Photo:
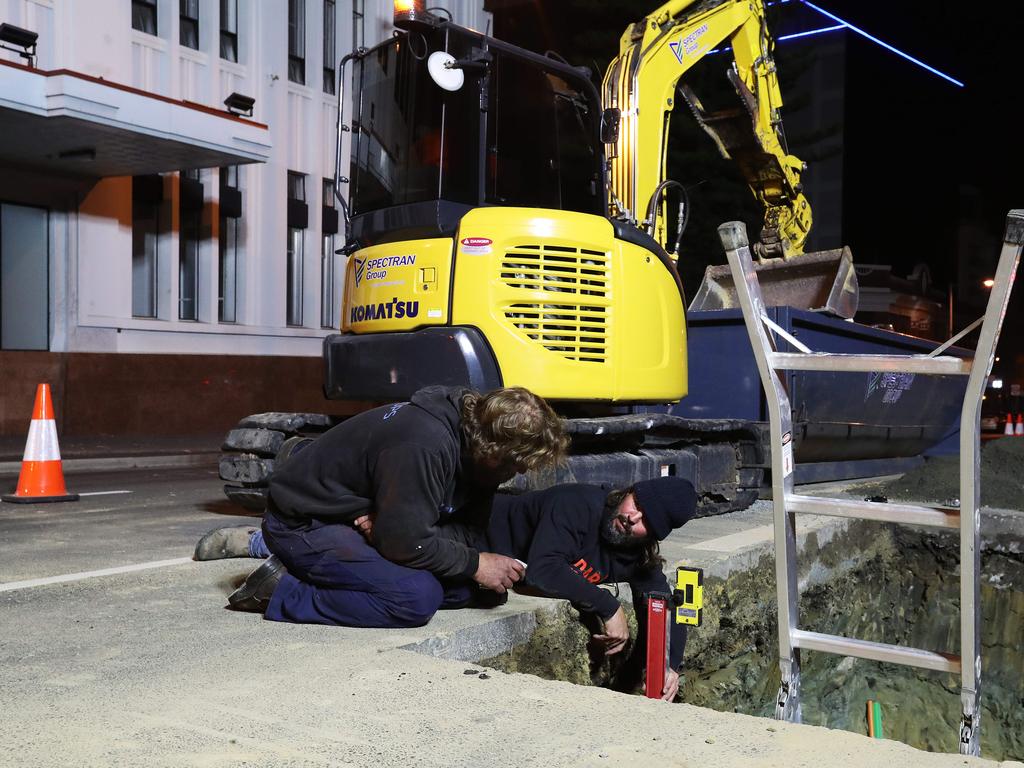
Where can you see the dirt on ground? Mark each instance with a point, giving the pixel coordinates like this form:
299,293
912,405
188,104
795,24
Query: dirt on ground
938,479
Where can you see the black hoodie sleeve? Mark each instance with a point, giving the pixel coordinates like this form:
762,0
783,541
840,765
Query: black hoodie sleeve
556,546
409,483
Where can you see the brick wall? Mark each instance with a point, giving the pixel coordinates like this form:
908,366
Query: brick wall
119,394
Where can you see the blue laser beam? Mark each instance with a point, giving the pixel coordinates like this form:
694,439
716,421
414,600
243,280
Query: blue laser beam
882,43
807,33
811,32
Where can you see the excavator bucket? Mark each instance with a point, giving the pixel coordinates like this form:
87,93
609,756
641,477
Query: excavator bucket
821,281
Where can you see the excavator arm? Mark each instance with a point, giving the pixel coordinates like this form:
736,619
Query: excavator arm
654,55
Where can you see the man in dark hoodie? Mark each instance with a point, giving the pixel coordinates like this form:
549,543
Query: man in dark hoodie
574,537
378,523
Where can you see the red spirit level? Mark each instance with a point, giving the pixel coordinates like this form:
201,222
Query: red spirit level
657,643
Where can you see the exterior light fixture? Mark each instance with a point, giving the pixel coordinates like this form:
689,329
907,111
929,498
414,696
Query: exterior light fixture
412,13
996,383
22,39
988,282
239,105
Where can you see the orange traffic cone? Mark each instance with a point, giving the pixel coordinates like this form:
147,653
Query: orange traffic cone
1008,429
42,478
1019,429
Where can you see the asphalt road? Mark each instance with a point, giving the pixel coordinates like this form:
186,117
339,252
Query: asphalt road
126,518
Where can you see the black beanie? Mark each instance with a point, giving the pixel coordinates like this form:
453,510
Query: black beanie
667,503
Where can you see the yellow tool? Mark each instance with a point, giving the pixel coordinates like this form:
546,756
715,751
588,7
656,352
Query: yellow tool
688,597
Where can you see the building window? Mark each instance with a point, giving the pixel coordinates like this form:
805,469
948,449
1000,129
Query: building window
329,47
147,201
188,31
230,226
297,222
144,16
358,17
190,221
297,41
229,30
328,259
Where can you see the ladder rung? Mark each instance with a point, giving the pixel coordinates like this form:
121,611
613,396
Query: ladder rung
904,514
863,649
828,361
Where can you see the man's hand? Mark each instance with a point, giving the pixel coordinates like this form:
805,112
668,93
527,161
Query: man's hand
616,633
498,572
364,525
668,693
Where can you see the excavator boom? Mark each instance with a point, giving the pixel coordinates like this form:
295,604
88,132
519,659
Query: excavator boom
654,56
645,82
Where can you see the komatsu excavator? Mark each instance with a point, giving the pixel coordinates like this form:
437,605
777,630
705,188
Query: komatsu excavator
507,226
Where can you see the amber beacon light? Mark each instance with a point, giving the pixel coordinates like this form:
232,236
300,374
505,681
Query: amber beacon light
409,12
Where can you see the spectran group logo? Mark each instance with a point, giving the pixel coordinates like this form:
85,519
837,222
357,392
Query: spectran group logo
360,268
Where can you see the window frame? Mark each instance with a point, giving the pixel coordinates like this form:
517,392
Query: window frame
297,41
190,239
294,284
187,23
229,32
227,251
295,255
330,47
151,214
328,266
151,10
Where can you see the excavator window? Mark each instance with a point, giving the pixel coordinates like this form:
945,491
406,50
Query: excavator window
522,130
542,148
410,138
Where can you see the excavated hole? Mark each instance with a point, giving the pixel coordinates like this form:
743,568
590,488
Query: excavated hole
900,587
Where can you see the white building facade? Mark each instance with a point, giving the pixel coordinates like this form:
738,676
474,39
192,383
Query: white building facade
137,217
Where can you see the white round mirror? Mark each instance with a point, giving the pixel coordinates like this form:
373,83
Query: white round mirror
438,65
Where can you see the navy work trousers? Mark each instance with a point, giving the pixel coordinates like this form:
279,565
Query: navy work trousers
335,577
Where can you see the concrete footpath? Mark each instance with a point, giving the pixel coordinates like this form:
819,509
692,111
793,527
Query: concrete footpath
117,650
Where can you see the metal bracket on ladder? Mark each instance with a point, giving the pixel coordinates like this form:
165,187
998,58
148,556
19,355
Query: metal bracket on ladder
771,365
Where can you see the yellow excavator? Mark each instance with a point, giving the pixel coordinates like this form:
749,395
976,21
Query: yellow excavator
507,225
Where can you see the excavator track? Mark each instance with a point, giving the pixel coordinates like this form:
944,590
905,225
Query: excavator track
725,458
259,443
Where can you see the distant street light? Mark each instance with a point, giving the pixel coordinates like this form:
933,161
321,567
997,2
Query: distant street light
988,282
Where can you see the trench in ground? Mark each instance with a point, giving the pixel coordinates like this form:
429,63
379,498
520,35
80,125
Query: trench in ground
883,583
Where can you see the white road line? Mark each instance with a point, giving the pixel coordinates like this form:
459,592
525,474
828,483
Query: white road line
13,585
101,493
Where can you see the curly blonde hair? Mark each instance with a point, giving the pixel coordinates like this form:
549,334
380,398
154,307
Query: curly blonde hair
513,426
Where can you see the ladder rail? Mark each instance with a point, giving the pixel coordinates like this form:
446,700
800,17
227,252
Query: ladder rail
772,364
970,487
748,291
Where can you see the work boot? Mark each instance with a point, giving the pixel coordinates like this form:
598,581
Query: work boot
258,587
225,542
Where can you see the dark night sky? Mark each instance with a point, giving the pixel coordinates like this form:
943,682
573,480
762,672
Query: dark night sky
917,140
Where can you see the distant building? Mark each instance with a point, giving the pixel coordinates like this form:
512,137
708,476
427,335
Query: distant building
908,305
165,265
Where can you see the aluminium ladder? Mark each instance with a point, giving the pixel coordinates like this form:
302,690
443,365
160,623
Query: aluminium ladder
772,365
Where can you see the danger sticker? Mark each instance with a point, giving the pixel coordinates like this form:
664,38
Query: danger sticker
476,245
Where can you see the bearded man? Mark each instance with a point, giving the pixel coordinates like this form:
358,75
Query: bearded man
574,537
